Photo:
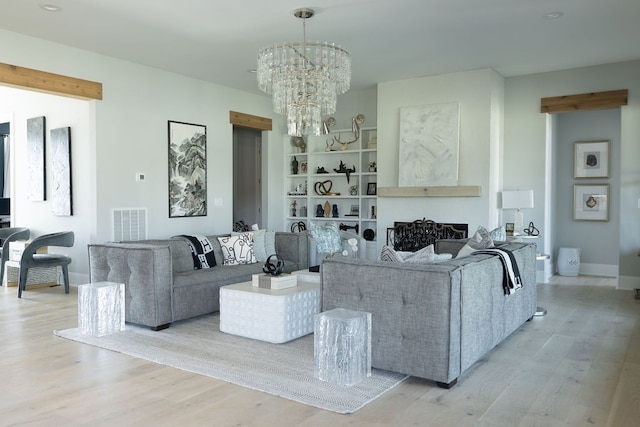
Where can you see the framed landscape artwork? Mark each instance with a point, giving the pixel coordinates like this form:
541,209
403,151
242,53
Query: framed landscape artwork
187,170
591,159
591,202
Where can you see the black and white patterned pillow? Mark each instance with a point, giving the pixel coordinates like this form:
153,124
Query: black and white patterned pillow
237,249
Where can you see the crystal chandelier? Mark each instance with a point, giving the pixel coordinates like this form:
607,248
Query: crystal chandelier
304,79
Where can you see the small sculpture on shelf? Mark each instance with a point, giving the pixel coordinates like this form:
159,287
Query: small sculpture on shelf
373,167
294,166
293,208
343,169
334,212
319,211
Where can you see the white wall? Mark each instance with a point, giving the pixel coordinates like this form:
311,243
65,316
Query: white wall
480,96
526,136
126,133
59,112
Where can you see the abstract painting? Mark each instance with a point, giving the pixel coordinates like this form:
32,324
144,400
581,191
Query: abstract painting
428,147
61,195
35,159
187,170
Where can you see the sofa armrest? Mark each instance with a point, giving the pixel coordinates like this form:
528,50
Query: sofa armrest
293,249
147,273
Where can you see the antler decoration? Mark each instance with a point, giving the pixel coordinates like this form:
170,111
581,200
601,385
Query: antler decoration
355,128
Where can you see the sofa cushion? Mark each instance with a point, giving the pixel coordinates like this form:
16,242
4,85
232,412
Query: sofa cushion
237,249
201,250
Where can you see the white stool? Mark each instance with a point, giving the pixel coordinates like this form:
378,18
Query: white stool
568,261
101,308
342,346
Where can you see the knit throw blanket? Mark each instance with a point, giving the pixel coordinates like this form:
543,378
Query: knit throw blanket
201,250
511,279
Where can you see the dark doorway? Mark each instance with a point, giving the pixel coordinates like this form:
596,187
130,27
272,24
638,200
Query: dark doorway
247,176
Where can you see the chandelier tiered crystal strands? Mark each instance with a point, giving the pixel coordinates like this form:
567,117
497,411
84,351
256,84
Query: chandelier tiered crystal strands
304,79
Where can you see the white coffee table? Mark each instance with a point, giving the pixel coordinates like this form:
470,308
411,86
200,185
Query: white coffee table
274,316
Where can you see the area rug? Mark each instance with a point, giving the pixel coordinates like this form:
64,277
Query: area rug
284,370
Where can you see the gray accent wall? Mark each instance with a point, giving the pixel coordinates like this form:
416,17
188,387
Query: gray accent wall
598,241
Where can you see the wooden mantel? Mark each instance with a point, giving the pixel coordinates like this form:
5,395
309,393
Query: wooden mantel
434,191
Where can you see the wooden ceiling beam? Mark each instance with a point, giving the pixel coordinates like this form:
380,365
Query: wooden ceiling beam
585,101
249,121
41,81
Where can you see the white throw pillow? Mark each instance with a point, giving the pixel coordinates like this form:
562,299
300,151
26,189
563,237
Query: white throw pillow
237,249
424,256
264,243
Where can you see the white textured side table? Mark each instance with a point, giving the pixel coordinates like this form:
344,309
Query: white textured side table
270,315
101,308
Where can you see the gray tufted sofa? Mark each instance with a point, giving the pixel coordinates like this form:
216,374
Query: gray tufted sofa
433,321
161,285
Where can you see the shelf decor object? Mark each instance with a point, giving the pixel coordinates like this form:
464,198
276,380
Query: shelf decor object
304,79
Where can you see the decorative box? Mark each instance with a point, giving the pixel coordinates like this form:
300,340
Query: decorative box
267,281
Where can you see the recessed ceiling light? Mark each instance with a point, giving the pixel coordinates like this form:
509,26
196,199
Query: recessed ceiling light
553,15
50,7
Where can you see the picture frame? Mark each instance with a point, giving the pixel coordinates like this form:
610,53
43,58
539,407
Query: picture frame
509,228
591,202
372,189
591,159
61,190
187,169
303,167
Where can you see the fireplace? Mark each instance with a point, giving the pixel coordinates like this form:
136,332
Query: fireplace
413,236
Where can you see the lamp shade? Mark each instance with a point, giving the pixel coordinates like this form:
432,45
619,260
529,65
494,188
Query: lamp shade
517,199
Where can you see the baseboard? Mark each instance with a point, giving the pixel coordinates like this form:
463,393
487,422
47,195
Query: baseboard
628,282
606,270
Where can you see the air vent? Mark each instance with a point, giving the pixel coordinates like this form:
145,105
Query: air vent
129,224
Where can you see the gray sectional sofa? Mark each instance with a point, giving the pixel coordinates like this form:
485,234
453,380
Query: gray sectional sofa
161,285
433,321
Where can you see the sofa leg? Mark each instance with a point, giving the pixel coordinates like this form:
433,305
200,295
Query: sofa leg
160,327
447,385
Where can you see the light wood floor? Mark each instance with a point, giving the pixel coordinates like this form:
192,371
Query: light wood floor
579,365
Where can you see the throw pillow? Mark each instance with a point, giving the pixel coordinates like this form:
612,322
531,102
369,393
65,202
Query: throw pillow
480,240
264,243
441,257
498,234
327,238
425,255
237,249
390,255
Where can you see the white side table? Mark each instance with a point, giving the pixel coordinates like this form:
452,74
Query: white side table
101,308
342,346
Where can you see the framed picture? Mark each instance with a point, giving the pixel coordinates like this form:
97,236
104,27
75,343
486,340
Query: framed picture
591,202
372,189
187,170
35,159
303,167
61,196
591,159
509,228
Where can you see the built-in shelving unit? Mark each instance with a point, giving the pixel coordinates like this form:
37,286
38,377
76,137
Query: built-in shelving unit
354,197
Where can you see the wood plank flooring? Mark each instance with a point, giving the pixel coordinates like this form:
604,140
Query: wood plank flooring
579,365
